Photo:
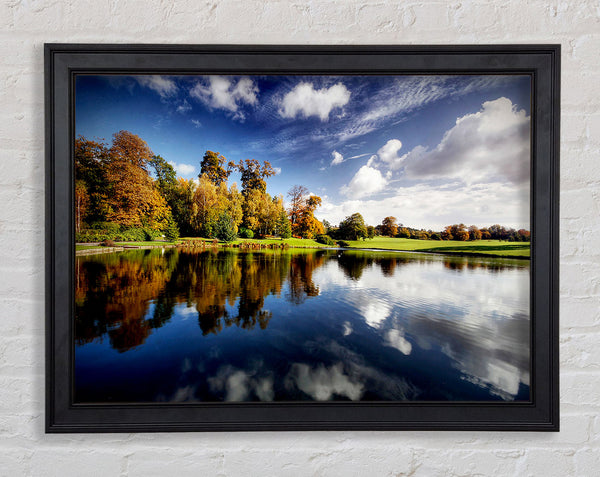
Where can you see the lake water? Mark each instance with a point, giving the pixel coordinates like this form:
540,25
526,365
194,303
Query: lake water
226,325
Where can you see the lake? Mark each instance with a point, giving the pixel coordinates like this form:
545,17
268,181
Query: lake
184,325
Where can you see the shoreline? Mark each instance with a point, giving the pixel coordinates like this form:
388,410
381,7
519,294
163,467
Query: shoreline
258,246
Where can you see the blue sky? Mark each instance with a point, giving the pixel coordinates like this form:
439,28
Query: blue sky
429,150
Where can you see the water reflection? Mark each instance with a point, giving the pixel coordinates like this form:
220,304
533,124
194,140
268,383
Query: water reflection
179,325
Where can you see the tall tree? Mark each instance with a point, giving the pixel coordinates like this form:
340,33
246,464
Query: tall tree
213,166
297,195
253,174
205,207
92,186
307,226
134,200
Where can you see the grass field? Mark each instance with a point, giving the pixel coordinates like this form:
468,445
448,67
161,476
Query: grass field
486,247
483,247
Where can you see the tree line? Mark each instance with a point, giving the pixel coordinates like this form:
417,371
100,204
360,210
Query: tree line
123,191
117,197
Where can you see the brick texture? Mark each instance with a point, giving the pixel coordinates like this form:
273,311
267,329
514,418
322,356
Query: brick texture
26,25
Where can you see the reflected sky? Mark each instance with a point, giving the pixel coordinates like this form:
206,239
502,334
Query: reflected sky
186,326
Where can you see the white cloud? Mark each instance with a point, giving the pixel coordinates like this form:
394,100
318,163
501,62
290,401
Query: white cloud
396,339
491,145
163,85
277,170
184,107
367,181
196,123
322,383
435,206
306,101
388,153
337,158
221,92
183,169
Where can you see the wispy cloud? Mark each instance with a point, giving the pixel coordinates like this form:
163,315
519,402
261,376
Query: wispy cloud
163,85
196,123
184,107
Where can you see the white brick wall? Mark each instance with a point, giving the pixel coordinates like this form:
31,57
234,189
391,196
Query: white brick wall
24,448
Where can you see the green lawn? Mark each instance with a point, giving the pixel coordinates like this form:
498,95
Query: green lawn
484,247
487,247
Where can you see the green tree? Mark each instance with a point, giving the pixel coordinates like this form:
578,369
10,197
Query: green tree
353,228
224,228
284,226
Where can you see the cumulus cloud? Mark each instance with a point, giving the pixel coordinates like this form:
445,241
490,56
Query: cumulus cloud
435,206
238,385
367,181
322,383
304,100
162,85
337,158
221,92
183,169
388,153
491,145
395,339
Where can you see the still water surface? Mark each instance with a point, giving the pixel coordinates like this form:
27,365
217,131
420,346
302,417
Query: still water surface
183,326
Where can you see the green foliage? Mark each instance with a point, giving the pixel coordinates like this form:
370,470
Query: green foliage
224,228
172,232
353,228
325,239
245,233
284,226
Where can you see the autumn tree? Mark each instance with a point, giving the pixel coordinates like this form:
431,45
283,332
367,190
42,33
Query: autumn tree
389,226
307,226
297,196
213,166
134,200
474,233
205,210
353,227
253,174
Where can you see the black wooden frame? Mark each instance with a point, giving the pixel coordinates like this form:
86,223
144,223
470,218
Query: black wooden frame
63,61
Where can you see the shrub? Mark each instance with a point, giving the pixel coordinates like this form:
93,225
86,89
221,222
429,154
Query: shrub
343,243
108,243
150,235
325,239
245,233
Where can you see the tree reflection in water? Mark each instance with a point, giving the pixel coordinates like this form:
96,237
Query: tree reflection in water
126,295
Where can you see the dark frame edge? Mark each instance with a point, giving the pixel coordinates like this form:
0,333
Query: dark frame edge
54,424
49,233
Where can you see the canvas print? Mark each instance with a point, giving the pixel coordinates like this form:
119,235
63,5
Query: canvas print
245,238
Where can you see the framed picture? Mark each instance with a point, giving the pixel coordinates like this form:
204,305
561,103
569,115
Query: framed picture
301,238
